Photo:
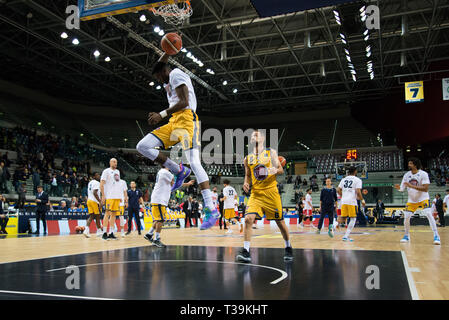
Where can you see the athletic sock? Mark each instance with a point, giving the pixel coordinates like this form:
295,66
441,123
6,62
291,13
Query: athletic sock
287,243
246,245
207,197
172,166
87,229
157,236
151,232
350,226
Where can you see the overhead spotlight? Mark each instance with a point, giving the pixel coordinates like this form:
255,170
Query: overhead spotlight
347,51
64,35
342,36
158,87
143,18
367,38
151,83
189,54
362,9
75,41
368,54
212,72
344,41
107,59
157,29
348,58
96,53
364,18
354,78
350,65
201,64
208,70
338,21
225,83
353,72
335,13
368,48
372,75
184,50
235,91
366,32
161,33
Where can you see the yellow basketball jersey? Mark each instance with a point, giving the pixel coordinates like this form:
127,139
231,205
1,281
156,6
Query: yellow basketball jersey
259,164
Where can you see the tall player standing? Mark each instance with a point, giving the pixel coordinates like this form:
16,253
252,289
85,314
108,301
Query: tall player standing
417,182
111,192
93,204
183,127
230,196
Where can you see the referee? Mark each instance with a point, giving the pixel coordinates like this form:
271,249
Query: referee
134,201
328,200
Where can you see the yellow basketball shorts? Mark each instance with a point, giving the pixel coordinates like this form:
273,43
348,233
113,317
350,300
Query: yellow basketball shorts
93,207
113,205
265,202
183,127
229,214
159,212
412,207
348,210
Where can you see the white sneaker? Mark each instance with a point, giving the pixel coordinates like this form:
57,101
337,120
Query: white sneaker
86,233
229,231
300,226
123,234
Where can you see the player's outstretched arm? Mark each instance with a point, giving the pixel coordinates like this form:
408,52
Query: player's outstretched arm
247,181
276,164
187,184
183,94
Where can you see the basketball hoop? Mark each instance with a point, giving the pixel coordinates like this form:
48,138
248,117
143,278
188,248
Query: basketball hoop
174,13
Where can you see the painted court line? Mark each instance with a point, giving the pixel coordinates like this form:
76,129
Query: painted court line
54,295
283,273
411,282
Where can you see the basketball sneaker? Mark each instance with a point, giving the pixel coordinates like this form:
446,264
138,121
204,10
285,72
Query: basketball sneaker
210,218
123,234
112,237
347,239
243,256
318,231
86,232
105,236
436,240
331,232
229,231
148,237
405,239
180,177
288,256
158,243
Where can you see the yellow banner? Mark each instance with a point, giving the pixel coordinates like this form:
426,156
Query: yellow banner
414,92
13,225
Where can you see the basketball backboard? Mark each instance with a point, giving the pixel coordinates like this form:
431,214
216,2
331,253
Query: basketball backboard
341,169
95,9
270,8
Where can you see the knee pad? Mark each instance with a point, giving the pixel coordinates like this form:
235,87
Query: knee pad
147,146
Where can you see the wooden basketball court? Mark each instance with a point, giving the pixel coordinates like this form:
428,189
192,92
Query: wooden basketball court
324,268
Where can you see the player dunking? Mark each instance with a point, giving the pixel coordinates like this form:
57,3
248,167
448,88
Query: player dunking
159,201
111,192
93,204
350,191
417,182
183,127
261,168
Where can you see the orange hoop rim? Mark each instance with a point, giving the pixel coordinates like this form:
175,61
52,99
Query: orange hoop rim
184,12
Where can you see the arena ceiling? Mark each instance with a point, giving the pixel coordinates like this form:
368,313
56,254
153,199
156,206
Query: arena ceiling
280,64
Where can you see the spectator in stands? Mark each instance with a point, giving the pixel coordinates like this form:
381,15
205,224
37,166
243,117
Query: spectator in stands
297,181
67,184
63,206
3,216
4,177
60,183
54,185
439,208
42,208
22,196
304,183
36,179
379,210
47,181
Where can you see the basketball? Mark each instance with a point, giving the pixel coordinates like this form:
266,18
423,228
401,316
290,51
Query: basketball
171,43
365,191
77,229
282,161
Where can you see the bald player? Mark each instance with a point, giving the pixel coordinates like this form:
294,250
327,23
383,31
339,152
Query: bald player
111,193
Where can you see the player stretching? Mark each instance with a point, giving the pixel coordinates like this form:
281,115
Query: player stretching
123,206
93,204
111,192
417,183
350,191
261,168
230,196
183,127
159,201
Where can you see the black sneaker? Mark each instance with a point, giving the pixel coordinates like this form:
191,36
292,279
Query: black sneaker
243,256
148,237
158,244
105,236
111,236
288,254
127,233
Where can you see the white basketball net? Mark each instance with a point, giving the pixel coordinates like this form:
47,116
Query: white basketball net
174,14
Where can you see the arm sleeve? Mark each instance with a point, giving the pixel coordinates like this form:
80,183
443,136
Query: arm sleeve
178,78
